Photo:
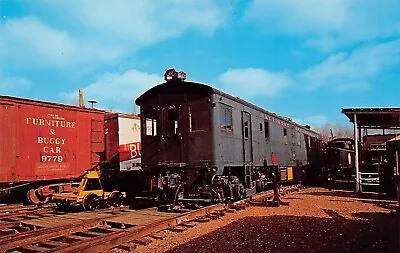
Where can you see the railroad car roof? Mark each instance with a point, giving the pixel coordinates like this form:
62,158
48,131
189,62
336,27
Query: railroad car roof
342,139
10,100
206,90
112,115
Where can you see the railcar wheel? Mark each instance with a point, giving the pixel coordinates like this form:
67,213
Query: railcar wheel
34,197
259,186
91,202
239,192
116,198
28,196
63,204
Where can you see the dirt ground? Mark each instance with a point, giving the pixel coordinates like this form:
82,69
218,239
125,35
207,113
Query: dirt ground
314,220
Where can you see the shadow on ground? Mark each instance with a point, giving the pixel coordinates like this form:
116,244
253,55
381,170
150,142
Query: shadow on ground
376,199
376,232
349,194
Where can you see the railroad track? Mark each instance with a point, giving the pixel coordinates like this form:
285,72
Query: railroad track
122,228
19,209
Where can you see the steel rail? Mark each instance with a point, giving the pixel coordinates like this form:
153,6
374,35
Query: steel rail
29,237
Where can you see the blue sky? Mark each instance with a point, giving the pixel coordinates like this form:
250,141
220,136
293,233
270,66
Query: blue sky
305,59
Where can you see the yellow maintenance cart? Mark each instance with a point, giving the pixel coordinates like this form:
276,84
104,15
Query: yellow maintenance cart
89,193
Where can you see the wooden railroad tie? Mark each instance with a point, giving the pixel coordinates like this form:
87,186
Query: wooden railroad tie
5,232
212,216
130,247
142,241
218,213
201,219
177,229
51,244
187,224
157,236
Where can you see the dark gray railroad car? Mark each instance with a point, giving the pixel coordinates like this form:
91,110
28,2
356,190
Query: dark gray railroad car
201,144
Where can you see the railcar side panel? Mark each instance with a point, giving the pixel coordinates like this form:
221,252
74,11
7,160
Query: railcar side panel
285,141
47,141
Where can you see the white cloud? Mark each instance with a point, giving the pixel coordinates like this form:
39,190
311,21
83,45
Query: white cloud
345,71
252,82
313,121
116,91
13,85
29,41
328,24
90,33
340,72
145,21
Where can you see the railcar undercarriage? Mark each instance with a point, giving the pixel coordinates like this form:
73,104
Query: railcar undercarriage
201,186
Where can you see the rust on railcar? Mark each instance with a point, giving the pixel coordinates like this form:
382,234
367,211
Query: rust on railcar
47,141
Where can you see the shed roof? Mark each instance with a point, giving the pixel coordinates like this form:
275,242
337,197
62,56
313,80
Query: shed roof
387,118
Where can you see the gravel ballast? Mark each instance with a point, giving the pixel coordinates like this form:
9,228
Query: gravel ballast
315,220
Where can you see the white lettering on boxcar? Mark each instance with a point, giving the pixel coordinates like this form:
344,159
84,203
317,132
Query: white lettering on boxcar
51,150
50,122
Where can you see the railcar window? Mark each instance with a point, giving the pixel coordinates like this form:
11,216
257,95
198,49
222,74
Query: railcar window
151,127
298,138
150,124
285,136
226,118
246,129
261,127
92,184
307,140
198,118
266,127
173,121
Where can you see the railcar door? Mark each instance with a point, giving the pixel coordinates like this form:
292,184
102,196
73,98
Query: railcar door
247,138
172,133
8,142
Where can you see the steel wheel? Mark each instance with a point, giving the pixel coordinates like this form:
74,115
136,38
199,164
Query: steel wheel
63,204
91,202
116,198
35,198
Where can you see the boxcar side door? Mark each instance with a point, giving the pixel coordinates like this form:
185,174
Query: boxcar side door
7,142
247,138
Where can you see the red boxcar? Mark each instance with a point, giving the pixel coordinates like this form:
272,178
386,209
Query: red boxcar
47,141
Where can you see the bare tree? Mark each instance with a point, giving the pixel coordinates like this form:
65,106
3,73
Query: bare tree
338,130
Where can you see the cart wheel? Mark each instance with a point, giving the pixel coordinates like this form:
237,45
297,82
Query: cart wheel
91,202
116,198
